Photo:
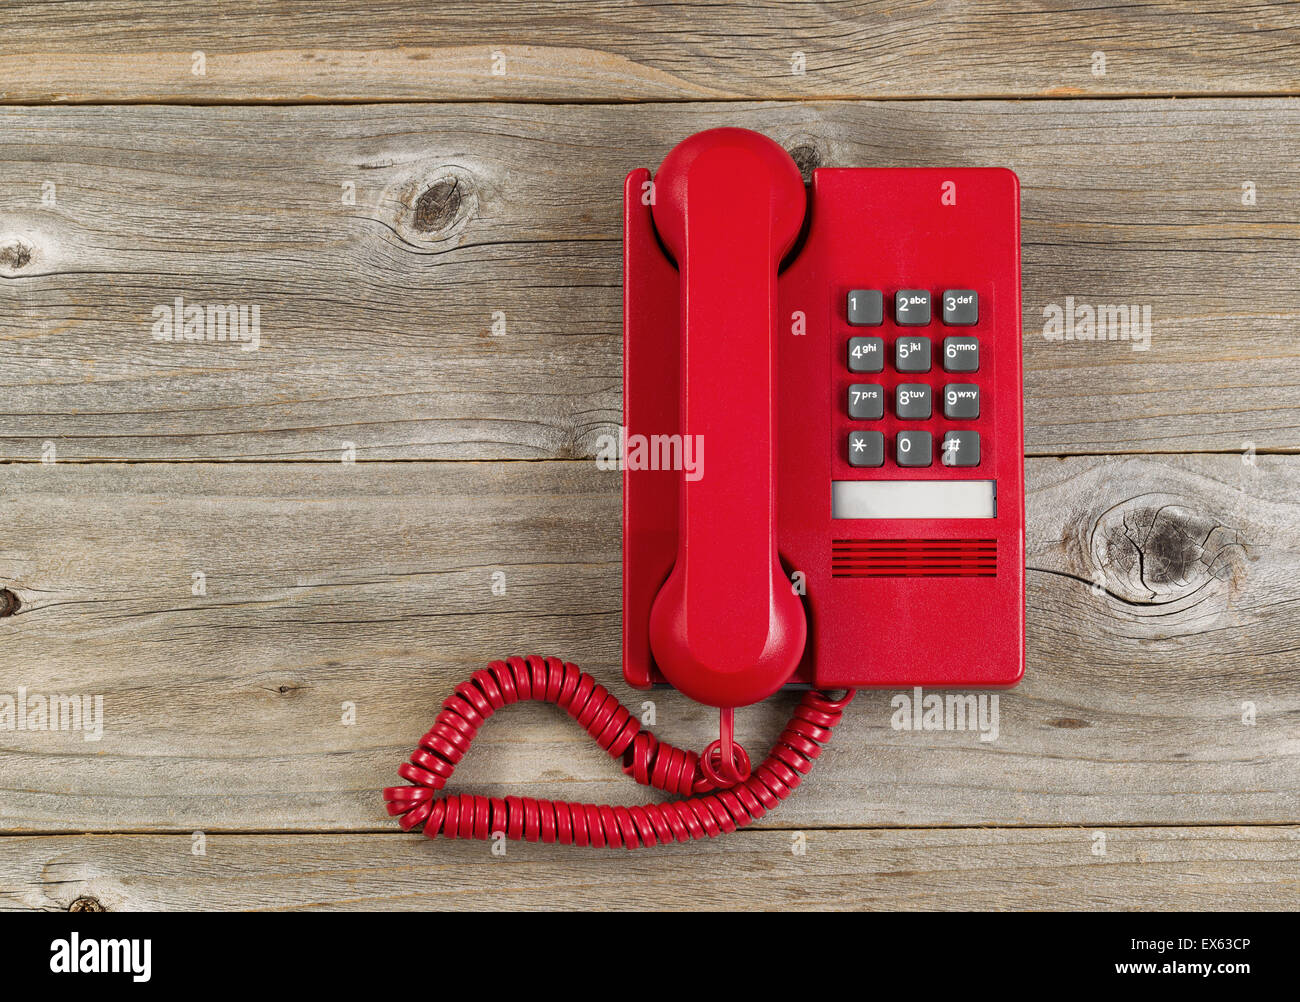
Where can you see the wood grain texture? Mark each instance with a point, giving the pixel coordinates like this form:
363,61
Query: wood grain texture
1168,697
1249,869
381,321
613,51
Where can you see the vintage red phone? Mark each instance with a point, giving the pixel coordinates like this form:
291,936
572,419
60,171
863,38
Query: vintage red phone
823,477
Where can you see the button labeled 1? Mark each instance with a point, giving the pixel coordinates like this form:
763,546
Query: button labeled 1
866,308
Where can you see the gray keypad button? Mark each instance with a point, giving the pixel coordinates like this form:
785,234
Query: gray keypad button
961,354
866,402
912,354
866,308
961,307
912,307
866,448
912,448
961,401
961,448
866,354
912,401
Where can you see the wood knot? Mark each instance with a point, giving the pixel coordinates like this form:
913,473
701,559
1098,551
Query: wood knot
10,603
278,685
1069,723
16,253
807,158
1155,549
87,904
434,209
439,206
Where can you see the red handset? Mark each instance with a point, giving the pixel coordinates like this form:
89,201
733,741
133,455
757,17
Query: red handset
852,513
727,628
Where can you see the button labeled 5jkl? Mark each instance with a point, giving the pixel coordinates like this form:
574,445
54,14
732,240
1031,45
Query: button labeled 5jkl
912,354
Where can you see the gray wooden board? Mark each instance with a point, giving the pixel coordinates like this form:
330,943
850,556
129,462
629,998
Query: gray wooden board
468,305
916,869
1168,697
306,51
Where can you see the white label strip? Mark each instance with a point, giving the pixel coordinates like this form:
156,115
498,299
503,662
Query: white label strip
914,498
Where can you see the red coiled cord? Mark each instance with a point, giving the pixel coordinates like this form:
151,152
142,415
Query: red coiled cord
644,758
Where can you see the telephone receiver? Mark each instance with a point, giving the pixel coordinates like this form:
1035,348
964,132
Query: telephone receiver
726,627
823,480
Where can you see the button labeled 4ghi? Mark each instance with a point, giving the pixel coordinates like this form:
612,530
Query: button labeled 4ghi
866,354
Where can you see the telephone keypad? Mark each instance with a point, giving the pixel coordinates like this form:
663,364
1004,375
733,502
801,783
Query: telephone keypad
866,402
912,354
866,448
912,401
866,308
912,448
912,307
961,354
866,354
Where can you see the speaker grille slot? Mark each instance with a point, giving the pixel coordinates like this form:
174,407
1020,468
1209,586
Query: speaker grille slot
914,558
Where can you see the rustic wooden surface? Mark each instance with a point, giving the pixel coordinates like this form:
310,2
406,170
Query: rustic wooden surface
1248,868
371,584
1162,692
621,51
377,318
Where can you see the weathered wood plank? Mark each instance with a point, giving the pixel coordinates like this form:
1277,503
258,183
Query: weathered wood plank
301,51
1169,697
468,305
1250,869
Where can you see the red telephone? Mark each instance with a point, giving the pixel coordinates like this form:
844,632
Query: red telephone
823,477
